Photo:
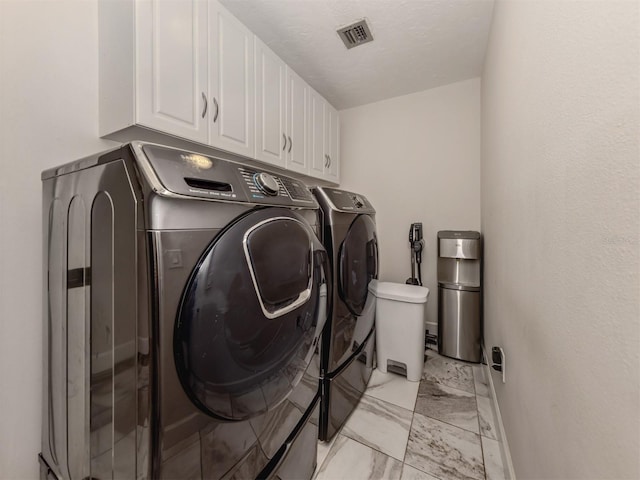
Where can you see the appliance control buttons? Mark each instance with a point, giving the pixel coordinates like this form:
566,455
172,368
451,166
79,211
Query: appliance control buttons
357,201
266,183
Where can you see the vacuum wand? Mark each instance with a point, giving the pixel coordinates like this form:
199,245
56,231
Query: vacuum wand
417,244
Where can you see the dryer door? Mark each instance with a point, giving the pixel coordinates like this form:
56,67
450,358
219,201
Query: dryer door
251,314
357,263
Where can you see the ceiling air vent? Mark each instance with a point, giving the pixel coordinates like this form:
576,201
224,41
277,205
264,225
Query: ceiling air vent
355,34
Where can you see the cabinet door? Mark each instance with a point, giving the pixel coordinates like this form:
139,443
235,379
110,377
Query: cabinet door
231,78
297,123
324,139
318,158
332,144
270,84
171,38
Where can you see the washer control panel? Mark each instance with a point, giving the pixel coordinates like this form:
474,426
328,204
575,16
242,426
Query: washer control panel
266,183
261,184
202,176
268,187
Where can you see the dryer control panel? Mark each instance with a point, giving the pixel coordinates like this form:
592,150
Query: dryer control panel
195,175
344,201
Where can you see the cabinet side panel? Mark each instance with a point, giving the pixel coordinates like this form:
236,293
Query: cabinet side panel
116,66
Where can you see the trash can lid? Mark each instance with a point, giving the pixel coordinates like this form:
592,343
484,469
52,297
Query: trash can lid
462,234
399,291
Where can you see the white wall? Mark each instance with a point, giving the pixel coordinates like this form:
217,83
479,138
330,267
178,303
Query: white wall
561,219
417,158
48,115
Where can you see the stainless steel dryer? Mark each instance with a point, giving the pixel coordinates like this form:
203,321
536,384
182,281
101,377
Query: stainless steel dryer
185,297
349,235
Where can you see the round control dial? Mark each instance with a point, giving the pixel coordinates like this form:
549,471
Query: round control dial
266,183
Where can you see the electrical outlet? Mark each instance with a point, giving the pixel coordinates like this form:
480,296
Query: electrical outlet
498,359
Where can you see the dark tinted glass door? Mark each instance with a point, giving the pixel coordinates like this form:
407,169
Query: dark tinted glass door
251,315
357,263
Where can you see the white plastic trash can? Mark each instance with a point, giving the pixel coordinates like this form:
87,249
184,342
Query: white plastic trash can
400,326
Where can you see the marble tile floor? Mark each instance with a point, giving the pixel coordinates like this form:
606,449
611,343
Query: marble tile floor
441,428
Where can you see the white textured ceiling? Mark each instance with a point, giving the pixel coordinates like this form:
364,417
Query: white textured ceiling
418,44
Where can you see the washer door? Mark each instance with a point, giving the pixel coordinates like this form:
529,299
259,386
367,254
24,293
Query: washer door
357,263
251,314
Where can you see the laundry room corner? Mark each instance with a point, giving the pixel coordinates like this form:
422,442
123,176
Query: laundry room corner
319,240
433,137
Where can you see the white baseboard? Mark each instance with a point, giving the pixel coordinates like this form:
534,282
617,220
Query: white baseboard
509,472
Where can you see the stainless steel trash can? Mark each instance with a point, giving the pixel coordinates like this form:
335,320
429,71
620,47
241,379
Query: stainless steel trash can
460,295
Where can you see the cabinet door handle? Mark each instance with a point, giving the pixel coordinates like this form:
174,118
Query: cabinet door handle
284,137
206,105
290,144
329,157
325,160
215,115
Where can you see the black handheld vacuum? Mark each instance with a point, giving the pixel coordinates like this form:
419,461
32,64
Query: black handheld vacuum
417,244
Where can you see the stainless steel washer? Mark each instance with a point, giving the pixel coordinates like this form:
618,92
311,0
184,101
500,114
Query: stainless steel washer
185,299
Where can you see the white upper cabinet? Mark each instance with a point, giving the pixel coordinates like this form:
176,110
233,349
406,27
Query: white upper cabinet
190,69
172,67
297,131
231,80
270,115
324,139
157,76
